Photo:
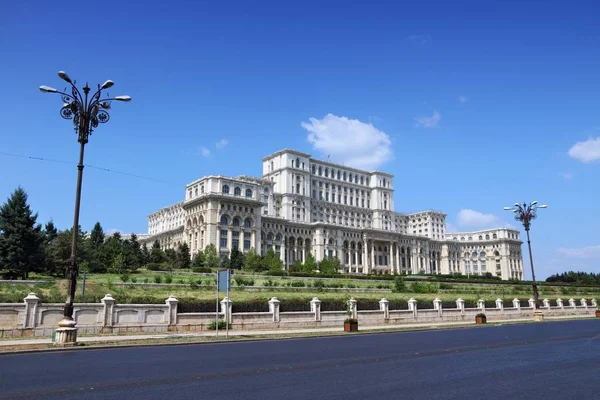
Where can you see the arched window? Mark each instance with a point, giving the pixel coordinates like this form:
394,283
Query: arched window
482,255
297,163
314,169
201,189
272,166
495,236
487,237
236,221
383,182
225,189
266,190
480,237
338,174
320,171
247,223
327,172
224,220
362,180
237,191
248,193
350,177
278,238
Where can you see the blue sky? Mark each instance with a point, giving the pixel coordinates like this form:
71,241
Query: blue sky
471,105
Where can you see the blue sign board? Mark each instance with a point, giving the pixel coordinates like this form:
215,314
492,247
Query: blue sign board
223,280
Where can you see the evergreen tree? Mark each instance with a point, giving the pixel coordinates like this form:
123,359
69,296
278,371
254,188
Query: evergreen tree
211,257
225,262
145,258
183,256
97,235
296,266
310,265
157,256
21,239
136,252
111,249
237,259
254,262
171,256
199,260
50,235
272,262
329,265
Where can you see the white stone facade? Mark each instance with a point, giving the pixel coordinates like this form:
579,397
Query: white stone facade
302,205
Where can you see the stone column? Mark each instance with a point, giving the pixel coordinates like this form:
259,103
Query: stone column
584,303
172,311
384,306
365,261
398,258
437,305
372,256
274,308
226,309
481,305
315,307
348,254
546,303
109,304
391,263
229,239
572,303
460,304
499,304
412,306
31,303
594,303
531,303
559,303
516,304
282,255
356,264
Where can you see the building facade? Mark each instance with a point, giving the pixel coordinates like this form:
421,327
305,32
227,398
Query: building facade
302,205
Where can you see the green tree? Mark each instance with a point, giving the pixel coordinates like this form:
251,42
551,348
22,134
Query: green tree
329,265
97,235
296,266
157,256
171,256
254,262
310,265
118,264
183,256
211,257
50,235
199,260
21,238
272,262
145,258
237,259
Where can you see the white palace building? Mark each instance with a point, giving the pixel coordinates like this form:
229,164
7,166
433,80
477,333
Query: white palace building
302,205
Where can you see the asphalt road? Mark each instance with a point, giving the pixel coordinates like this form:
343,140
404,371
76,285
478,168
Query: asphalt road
550,360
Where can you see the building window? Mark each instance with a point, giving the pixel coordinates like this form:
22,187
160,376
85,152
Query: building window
223,239
236,221
246,240
225,189
314,170
320,171
297,163
235,243
237,191
248,223
224,220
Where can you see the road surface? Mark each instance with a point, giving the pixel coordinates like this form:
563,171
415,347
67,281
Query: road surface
550,360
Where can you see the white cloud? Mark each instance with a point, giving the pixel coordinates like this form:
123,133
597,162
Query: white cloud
462,99
419,39
582,252
349,141
567,176
222,143
204,152
467,218
587,151
429,122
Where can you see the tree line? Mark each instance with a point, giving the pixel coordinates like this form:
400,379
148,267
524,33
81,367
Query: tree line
583,278
26,246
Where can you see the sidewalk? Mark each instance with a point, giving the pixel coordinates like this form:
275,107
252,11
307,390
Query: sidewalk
234,333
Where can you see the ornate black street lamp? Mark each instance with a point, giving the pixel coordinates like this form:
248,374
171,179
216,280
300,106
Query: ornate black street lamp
525,213
86,115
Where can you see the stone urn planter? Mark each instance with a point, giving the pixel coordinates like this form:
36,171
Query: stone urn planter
480,318
351,325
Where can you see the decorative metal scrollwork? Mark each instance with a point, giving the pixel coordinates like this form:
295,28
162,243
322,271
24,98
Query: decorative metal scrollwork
66,112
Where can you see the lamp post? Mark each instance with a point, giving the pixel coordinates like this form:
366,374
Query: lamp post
86,115
525,213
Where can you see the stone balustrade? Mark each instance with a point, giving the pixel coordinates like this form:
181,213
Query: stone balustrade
33,318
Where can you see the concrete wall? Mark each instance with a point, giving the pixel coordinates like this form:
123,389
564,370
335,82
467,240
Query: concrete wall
32,318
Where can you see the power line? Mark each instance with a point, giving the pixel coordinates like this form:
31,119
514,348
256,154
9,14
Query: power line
89,166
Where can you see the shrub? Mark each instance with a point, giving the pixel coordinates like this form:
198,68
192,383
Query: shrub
213,326
268,283
241,281
158,267
124,277
194,286
399,285
318,285
297,283
133,279
202,270
418,287
157,279
168,278
446,286
146,280
250,306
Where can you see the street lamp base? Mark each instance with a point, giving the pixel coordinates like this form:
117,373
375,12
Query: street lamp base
538,316
66,333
